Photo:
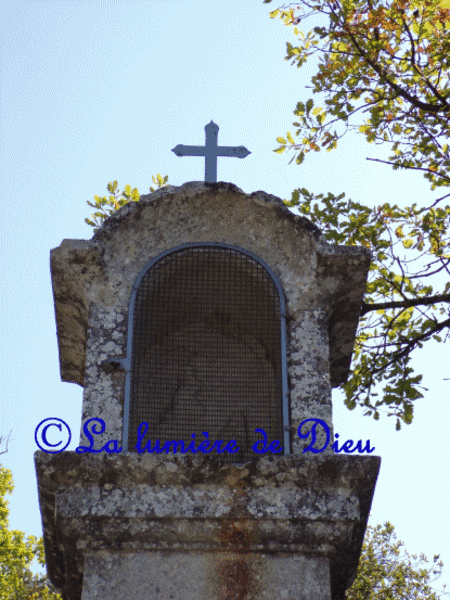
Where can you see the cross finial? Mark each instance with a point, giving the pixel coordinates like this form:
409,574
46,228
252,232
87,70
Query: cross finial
211,151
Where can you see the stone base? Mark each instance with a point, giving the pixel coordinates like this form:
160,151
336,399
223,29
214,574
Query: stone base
204,576
121,527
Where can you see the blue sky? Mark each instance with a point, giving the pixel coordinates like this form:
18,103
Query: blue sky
97,91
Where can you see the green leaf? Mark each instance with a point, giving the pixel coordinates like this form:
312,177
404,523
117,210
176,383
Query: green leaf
300,158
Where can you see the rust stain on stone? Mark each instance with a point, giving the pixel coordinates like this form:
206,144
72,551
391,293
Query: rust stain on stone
235,579
235,574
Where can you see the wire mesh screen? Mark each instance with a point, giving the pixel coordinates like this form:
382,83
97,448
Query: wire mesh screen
206,351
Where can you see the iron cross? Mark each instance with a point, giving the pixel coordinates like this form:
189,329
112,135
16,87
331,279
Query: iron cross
211,151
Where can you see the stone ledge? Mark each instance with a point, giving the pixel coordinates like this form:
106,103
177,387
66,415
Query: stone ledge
308,506
205,502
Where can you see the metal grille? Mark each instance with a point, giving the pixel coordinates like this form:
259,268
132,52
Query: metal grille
206,351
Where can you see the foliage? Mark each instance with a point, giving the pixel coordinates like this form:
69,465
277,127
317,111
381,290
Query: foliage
394,61
400,311
384,575
405,95
17,582
114,202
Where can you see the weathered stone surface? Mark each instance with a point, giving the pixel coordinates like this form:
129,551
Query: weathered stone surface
92,282
204,576
98,508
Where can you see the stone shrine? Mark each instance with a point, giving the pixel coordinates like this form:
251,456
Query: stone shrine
204,311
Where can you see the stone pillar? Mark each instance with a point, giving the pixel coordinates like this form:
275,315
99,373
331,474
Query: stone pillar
131,526
150,526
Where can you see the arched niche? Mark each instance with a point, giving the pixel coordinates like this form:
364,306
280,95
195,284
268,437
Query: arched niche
206,351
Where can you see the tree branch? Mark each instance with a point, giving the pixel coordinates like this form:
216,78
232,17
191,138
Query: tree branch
404,303
409,167
433,108
7,440
410,343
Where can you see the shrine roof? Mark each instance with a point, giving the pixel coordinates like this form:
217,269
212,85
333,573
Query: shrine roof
315,275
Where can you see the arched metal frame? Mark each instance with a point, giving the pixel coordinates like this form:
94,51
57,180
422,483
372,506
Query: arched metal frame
126,363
